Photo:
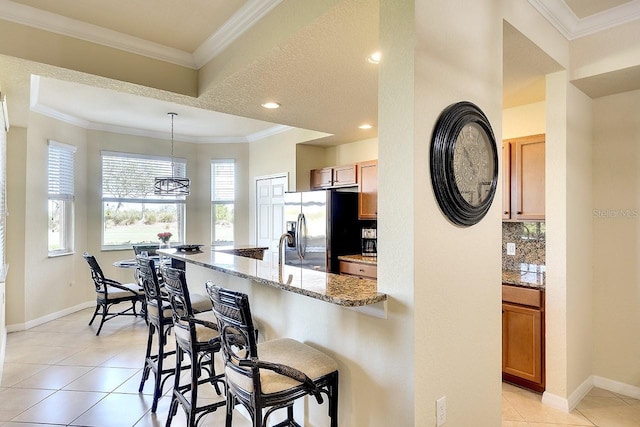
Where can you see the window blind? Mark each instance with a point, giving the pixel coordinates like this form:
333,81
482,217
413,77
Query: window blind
223,181
127,176
61,171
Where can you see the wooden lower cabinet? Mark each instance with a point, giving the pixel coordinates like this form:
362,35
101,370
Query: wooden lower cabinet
364,271
523,338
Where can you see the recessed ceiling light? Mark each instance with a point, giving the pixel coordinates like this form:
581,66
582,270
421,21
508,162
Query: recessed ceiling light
271,105
374,58
365,126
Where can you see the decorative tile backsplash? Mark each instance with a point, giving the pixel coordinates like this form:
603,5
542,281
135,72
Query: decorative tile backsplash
530,241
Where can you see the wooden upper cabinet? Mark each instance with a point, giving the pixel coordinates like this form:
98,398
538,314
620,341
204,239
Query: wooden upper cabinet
321,178
368,196
527,178
336,176
344,175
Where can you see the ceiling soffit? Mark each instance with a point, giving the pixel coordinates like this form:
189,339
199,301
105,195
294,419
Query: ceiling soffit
242,19
571,27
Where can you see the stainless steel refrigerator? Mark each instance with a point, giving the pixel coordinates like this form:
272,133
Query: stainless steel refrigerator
324,225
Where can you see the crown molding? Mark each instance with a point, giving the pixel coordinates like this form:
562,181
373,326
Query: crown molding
571,27
47,21
240,22
274,130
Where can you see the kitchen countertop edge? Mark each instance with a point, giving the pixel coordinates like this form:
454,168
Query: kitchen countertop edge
359,290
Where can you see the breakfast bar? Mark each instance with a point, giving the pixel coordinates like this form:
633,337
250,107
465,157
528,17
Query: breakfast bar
343,316
247,263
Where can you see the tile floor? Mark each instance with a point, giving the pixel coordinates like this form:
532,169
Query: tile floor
601,408
60,373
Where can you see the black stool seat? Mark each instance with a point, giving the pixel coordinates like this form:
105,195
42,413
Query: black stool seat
271,375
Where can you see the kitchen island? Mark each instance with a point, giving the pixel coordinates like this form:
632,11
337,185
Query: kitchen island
344,317
346,291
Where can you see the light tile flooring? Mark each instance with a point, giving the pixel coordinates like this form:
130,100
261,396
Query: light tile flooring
601,408
60,373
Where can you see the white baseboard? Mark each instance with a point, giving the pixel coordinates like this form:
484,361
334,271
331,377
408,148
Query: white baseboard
617,387
568,405
49,317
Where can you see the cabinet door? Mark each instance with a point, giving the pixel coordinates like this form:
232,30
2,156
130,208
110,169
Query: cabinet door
363,271
368,196
344,175
529,178
506,180
321,178
522,342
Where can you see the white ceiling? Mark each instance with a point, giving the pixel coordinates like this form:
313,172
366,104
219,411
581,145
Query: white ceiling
321,87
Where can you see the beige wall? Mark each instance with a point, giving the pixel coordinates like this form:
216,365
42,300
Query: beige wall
524,120
358,151
38,286
596,53
579,239
16,203
616,237
457,270
52,284
441,337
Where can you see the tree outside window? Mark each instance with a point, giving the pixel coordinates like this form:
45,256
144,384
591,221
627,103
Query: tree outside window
132,213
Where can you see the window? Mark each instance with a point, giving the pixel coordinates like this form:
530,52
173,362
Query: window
131,212
223,194
60,170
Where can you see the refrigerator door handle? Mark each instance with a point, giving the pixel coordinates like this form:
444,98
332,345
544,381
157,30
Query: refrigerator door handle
301,235
298,232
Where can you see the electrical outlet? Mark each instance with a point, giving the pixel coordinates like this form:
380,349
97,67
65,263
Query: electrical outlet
441,411
511,248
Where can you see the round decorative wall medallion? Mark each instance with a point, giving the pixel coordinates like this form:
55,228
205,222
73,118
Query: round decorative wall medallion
464,163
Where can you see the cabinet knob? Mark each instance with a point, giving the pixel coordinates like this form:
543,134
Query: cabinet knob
505,212
519,213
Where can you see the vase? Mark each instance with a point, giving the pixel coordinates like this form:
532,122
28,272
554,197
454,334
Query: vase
164,245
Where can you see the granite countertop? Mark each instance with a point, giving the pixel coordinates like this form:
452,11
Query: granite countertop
528,276
343,290
245,251
360,259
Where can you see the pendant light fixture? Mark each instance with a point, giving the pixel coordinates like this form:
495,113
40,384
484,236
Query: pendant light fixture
173,185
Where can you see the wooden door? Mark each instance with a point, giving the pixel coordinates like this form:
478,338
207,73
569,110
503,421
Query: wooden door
368,196
522,342
529,178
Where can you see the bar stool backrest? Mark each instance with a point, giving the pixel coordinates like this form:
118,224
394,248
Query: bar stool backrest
238,338
184,329
153,294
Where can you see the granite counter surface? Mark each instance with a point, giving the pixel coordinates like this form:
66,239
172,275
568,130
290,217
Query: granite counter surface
528,276
373,260
347,291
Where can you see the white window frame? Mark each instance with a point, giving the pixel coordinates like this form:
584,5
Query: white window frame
147,197
61,190
221,198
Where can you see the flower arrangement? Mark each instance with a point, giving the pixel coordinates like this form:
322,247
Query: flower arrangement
164,236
